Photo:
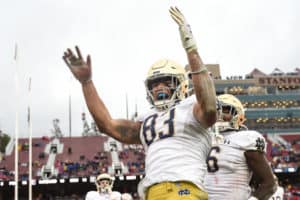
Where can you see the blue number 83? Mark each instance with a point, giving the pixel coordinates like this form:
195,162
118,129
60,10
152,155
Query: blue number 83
149,127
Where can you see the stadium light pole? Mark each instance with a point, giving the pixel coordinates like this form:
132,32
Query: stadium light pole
70,109
126,106
16,123
136,110
30,141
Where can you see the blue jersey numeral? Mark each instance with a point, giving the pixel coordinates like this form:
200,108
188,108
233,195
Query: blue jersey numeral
150,132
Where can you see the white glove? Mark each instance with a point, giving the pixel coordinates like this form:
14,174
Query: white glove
185,31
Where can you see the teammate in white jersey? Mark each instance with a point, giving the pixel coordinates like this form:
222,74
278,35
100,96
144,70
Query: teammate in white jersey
236,155
104,183
174,132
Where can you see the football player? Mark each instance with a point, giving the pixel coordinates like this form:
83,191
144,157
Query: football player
237,154
104,183
174,132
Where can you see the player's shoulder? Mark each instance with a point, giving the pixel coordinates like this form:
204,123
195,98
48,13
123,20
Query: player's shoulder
250,140
91,195
185,104
145,113
188,100
180,104
243,135
248,134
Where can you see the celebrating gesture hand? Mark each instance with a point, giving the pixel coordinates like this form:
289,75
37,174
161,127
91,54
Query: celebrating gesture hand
81,69
187,37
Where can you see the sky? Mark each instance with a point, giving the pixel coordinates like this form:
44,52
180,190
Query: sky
124,38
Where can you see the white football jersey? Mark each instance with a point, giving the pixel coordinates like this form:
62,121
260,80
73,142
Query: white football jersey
228,174
95,195
278,195
176,146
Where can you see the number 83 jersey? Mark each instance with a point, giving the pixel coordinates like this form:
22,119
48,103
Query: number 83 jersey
176,145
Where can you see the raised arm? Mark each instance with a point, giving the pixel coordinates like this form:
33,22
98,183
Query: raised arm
205,108
125,131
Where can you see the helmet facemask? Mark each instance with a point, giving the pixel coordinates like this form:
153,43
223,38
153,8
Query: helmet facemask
230,114
163,99
104,183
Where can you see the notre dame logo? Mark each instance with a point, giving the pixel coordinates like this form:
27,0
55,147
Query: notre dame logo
260,144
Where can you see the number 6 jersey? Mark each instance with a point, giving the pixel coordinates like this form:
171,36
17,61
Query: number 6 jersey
176,146
228,174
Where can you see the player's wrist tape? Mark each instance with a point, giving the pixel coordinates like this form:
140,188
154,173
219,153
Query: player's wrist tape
203,69
187,38
83,82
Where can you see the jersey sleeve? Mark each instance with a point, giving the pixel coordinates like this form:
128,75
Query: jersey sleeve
253,141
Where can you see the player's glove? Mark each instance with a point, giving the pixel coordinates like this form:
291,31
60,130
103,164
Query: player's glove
185,31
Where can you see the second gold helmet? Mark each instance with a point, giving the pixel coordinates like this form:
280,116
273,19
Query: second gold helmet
235,108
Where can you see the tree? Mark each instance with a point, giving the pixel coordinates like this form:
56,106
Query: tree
4,140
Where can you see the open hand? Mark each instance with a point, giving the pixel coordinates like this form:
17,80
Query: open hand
185,31
177,16
80,68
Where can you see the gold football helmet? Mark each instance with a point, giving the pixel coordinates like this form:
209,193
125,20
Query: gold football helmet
104,183
229,104
166,70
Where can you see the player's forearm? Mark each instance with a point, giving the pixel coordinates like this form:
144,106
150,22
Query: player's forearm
97,108
122,130
203,86
262,174
205,110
